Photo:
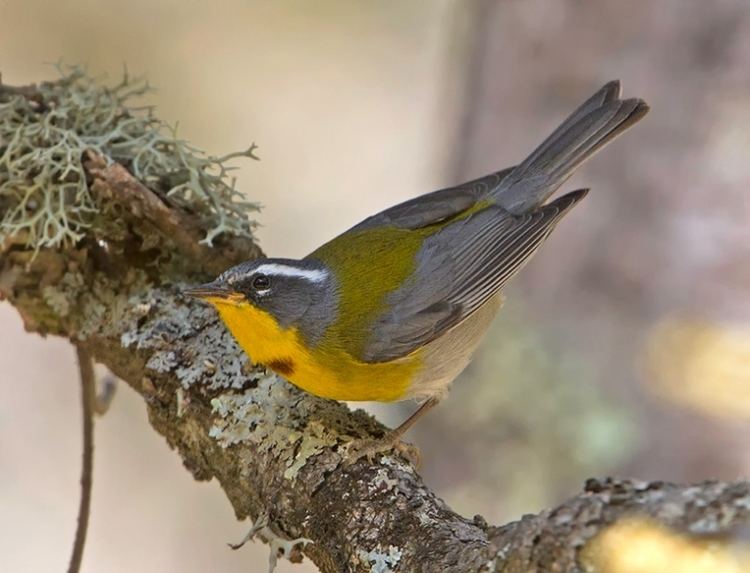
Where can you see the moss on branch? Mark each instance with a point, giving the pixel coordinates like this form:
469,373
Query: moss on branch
45,195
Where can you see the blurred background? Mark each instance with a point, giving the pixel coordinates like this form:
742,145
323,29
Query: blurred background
624,348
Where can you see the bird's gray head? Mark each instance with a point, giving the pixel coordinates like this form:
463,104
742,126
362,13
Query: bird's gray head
297,293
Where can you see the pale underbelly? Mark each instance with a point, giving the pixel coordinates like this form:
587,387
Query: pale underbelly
445,358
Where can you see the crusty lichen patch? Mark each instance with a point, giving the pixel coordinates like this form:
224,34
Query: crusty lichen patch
214,359
237,417
383,481
275,418
380,560
45,200
310,442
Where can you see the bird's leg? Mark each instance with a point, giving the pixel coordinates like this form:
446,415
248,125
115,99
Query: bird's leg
394,436
392,440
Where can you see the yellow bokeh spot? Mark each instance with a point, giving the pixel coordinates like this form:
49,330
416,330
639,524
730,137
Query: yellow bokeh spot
639,545
704,365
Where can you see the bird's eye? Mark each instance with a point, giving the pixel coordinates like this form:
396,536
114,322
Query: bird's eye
261,282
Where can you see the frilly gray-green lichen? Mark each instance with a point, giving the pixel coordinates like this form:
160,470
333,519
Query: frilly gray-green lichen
45,199
381,561
271,417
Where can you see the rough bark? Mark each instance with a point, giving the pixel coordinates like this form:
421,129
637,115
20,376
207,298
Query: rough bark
277,451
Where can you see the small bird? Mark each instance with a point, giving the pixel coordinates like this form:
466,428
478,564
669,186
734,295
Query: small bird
395,307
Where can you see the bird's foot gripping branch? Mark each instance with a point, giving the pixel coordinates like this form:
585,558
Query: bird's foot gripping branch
105,214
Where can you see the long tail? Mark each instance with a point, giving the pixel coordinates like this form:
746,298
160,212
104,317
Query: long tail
598,121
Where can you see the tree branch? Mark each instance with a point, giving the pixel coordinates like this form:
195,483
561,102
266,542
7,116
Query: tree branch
277,451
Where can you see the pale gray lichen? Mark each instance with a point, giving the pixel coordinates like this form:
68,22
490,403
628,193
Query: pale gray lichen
45,198
231,374
56,300
212,359
59,296
272,416
426,519
383,481
393,462
164,361
381,561
98,302
129,338
311,442
237,416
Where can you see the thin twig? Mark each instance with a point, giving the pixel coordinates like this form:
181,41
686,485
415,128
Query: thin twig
88,396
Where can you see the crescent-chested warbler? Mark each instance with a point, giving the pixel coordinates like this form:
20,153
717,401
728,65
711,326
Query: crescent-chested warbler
394,307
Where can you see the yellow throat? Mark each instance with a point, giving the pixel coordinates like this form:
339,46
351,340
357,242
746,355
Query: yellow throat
329,373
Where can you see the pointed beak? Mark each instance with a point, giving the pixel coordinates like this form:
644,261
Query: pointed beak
214,290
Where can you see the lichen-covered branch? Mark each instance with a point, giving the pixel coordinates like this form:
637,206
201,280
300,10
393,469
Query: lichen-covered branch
113,287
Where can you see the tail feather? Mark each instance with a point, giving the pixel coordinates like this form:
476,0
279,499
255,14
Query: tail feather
599,120
608,93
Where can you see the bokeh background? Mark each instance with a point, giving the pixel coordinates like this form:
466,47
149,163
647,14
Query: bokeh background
624,348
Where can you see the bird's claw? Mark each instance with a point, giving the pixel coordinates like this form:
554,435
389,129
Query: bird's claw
369,449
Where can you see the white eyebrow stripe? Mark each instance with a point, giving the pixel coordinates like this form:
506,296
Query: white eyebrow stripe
312,275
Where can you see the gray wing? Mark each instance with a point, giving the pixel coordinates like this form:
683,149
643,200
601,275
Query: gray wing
458,269
436,207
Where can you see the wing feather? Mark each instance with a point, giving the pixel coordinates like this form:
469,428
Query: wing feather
458,270
436,207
